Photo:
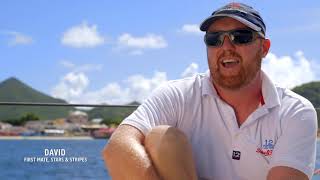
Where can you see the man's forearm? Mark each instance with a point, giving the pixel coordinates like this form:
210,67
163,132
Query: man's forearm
286,173
126,158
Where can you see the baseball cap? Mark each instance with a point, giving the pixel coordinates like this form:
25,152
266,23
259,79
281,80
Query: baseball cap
240,12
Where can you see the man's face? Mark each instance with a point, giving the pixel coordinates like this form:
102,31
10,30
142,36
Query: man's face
234,66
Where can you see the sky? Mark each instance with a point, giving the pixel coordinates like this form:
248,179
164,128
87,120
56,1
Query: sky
115,52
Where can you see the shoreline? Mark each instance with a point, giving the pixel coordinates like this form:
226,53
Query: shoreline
58,138
46,138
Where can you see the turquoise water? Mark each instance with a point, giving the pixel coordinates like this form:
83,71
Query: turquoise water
85,155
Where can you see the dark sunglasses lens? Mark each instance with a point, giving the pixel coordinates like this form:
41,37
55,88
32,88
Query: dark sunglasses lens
242,36
212,39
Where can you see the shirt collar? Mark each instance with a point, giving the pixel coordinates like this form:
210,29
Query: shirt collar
207,86
269,91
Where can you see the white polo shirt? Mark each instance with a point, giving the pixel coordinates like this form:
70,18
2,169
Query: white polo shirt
282,132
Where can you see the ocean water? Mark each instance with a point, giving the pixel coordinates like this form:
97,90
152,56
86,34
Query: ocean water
317,177
78,160
84,160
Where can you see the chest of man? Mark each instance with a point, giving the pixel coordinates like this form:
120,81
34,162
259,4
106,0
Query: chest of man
222,149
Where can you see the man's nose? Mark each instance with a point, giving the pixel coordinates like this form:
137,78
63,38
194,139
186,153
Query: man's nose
226,43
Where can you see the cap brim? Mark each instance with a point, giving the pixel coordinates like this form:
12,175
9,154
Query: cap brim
207,22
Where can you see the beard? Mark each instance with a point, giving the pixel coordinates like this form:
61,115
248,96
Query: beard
248,71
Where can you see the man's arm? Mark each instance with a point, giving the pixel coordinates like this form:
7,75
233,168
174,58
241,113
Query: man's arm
285,173
294,153
125,156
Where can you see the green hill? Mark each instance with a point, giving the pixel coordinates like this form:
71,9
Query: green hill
13,90
112,114
311,91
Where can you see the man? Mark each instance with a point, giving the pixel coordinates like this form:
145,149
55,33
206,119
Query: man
229,123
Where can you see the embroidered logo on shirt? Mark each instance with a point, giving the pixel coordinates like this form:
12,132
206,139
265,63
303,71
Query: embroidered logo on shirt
236,155
267,148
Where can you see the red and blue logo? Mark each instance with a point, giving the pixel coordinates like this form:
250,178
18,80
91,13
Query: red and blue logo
267,148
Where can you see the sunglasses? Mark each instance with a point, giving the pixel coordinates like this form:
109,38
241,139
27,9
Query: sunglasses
237,37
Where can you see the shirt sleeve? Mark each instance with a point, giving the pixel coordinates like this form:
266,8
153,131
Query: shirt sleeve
161,108
296,147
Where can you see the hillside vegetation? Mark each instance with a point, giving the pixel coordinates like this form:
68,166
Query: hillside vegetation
13,90
311,91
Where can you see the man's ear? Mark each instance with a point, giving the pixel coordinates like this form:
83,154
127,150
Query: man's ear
266,43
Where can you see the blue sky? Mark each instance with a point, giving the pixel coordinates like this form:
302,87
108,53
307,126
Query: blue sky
119,51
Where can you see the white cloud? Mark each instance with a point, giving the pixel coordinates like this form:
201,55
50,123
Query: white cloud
140,87
191,29
191,70
82,36
286,71
89,67
136,52
21,39
67,64
150,41
112,93
289,71
71,86
81,68
17,38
